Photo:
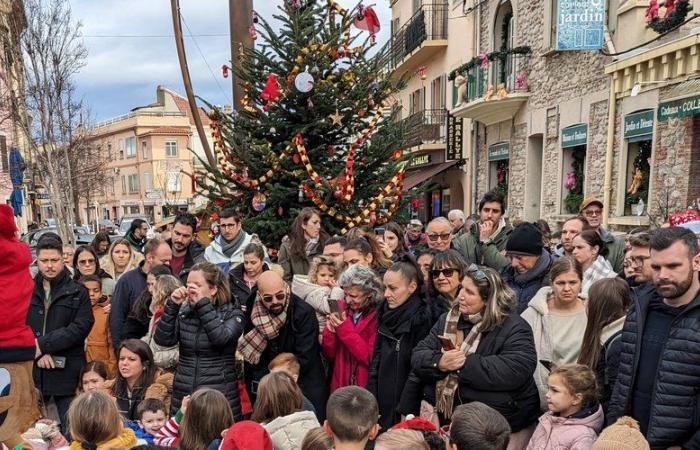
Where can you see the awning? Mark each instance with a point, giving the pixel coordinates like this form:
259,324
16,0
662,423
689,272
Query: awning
426,173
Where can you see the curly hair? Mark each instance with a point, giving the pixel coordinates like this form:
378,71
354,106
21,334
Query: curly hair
364,278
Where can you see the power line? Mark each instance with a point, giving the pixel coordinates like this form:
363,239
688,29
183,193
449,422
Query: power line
138,36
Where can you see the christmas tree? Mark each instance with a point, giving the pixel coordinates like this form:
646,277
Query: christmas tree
316,127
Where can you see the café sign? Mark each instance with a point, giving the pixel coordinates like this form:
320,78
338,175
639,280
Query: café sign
679,108
639,124
574,135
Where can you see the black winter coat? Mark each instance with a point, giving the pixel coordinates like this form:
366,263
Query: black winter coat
527,284
207,336
299,336
61,330
675,404
391,360
499,374
127,290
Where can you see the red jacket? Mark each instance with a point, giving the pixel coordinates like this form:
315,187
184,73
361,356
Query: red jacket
351,347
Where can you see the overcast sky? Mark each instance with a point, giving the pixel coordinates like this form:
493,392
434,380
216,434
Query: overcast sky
131,49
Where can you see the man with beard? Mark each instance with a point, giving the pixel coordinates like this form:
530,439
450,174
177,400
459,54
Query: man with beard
639,256
226,250
569,230
183,241
136,236
280,322
659,374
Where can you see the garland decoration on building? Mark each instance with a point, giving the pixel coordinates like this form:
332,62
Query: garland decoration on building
498,54
676,12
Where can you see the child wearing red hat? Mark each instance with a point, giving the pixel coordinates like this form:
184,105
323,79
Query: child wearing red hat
246,435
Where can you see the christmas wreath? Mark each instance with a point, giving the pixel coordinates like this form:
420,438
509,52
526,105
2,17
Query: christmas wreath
676,12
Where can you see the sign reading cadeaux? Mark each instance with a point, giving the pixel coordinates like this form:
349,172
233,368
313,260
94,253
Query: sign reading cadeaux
498,152
639,124
574,135
580,24
679,108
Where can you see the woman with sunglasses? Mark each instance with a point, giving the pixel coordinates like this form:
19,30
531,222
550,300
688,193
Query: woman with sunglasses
85,262
446,272
349,335
403,320
481,350
557,316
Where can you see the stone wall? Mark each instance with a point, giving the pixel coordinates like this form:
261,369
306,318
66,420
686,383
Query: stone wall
517,171
551,193
595,151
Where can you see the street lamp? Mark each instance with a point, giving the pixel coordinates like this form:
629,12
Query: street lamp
638,86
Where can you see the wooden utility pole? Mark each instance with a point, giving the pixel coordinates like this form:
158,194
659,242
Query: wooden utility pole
187,81
240,19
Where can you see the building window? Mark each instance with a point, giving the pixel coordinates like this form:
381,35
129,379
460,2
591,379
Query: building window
123,184
147,185
130,147
173,181
109,151
438,92
638,133
171,149
133,182
416,101
573,142
144,150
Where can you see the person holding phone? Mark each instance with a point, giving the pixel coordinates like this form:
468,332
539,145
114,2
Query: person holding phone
351,328
481,350
207,326
390,238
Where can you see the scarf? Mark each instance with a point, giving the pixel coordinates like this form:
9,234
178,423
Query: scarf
393,319
446,388
267,327
229,248
311,246
131,239
537,270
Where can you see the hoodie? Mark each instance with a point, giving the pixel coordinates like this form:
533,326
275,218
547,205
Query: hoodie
288,432
577,432
246,435
124,441
557,337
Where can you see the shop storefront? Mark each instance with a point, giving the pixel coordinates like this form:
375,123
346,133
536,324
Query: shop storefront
636,171
498,156
574,140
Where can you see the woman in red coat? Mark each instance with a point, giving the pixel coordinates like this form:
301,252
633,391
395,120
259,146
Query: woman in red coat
348,338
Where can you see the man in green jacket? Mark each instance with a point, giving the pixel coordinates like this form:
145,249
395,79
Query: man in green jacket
592,210
487,238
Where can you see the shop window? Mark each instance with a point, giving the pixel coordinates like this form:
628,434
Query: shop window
499,168
435,204
638,170
574,163
446,200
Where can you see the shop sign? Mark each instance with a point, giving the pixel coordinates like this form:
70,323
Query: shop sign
679,108
419,161
455,128
574,135
639,124
580,24
498,152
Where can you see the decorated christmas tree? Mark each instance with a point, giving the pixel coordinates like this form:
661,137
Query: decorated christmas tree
316,127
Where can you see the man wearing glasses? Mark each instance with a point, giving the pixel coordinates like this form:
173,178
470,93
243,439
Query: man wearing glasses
226,250
280,322
640,257
439,231
592,210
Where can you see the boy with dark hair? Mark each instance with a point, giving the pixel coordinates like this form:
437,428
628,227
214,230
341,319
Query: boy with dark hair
352,418
99,341
476,426
151,418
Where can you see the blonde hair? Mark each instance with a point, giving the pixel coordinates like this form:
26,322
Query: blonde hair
107,264
93,418
402,440
286,360
317,439
578,379
208,414
278,396
162,289
498,297
322,261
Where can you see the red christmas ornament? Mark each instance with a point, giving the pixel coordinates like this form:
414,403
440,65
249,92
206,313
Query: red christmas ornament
330,150
224,71
397,154
423,72
367,20
296,158
280,211
271,91
219,202
214,217
415,203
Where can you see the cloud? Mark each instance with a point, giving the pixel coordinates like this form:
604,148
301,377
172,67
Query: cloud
122,72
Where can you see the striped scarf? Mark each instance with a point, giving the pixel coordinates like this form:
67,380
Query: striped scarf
267,327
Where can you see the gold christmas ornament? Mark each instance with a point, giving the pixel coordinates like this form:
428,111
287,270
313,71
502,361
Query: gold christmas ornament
336,118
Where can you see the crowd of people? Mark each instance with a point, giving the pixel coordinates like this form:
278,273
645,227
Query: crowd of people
468,333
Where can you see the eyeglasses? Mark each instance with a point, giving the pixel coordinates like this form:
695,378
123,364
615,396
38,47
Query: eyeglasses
592,212
475,272
639,260
447,272
228,225
86,262
442,237
280,296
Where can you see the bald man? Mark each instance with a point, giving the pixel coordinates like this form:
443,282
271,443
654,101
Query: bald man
281,322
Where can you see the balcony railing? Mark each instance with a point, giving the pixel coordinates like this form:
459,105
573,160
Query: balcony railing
428,23
426,127
509,71
139,114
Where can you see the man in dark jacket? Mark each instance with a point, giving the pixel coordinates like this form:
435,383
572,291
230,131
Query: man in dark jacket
659,375
283,323
60,316
131,285
186,250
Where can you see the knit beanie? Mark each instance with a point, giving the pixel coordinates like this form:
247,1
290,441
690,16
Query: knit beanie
246,435
622,435
526,240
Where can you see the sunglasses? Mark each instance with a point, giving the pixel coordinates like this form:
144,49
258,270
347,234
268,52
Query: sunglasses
443,236
86,262
476,273
280,296
447,272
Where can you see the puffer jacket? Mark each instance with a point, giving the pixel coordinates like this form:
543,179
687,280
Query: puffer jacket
573,433
288,432
208,336
675,404
527,284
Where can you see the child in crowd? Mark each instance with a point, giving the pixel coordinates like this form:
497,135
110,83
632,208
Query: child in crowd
99,341
352,417
246,435
426,428
151,417
164,357
278,408
199,423
623,434
318,287
575,417
95,424
317,439
289,364
45,435
401,440
92,377
478,426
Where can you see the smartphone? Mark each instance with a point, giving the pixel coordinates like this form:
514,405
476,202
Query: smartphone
547,364
334,306
379,231
447,343
59,362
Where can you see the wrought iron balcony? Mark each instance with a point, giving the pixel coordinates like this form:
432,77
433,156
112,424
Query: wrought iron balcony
426,127
423,34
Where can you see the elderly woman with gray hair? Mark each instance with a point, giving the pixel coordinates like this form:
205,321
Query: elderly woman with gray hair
350,332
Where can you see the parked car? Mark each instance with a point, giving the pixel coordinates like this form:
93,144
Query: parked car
82,236
107,226
125,224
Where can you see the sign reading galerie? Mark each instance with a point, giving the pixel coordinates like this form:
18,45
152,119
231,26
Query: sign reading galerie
580,24
574,135
679,108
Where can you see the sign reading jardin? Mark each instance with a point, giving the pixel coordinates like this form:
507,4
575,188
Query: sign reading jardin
639,124
580,24
574,135
498,152
679,108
